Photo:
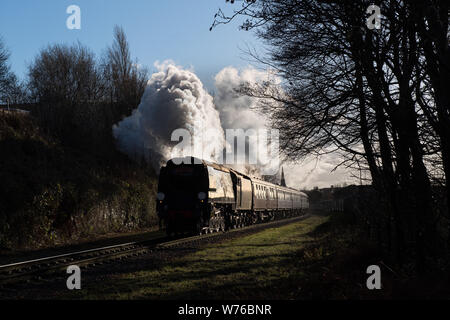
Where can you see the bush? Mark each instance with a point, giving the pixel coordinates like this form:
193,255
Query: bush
52,193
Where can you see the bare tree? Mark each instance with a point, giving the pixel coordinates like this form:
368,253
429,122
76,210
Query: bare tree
125,79
66,74
432,26
66,83
361,92
10,88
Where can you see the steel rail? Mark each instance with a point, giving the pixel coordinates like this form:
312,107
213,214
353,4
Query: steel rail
101,255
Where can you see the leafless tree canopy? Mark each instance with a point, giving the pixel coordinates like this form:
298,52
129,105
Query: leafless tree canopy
380,97
125,79
80,97
10,89
68,74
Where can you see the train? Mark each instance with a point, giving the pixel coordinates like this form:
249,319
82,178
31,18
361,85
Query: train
198,196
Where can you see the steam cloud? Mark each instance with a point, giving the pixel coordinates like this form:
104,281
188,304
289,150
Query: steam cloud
237,111
175,98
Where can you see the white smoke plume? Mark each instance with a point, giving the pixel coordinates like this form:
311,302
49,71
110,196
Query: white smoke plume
174,99
237,111
240,112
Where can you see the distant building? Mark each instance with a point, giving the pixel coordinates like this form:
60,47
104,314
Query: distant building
275,179
283,181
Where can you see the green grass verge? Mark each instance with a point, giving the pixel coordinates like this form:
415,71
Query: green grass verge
316,258
266,265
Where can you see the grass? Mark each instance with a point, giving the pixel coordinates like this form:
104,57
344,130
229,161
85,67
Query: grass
316,258
282,263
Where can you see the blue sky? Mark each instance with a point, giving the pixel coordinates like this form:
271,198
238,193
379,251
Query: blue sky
156,30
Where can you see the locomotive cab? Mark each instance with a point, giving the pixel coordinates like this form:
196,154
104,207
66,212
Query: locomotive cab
182,198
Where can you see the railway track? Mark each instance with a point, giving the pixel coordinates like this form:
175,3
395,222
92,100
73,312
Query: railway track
37,268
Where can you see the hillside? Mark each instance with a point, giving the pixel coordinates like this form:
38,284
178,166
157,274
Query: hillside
52,193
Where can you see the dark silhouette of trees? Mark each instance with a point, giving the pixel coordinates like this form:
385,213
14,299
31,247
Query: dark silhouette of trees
66,83
62,73
11,90
62,176
432,27
79,97
4,70
376,96
125,79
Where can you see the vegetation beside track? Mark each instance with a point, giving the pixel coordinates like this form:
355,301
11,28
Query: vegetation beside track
320,257
53,193
316,258
62,180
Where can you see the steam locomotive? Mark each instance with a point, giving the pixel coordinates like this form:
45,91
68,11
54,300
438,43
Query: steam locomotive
197,196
